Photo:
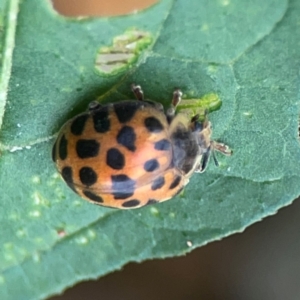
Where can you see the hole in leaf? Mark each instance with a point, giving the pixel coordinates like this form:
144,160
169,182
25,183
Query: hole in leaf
100,8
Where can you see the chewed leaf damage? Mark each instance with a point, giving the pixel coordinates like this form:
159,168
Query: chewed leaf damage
125,49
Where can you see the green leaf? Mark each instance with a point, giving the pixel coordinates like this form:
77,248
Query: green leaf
245,52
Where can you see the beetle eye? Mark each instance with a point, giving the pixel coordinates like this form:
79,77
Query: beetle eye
198,126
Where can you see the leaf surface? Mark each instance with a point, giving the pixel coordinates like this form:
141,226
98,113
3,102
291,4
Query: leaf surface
246,52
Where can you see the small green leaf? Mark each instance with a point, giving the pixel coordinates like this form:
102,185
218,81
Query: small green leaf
208,102
241,54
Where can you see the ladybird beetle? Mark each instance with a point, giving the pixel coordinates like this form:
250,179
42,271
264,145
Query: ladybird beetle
132,153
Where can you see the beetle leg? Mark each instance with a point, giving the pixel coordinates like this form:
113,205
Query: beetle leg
94,105
177,94
220,147
204,160
138,92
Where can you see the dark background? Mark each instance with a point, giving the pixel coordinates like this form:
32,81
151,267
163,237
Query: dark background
261,263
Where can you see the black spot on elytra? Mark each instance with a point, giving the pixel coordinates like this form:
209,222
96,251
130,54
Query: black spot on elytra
175,182
67,175
78,124
153,124
126,137
158,183
125,111
151,165
62,148
123,186
54,152
162,145
151,201
87,176
131,203
87,148
101,120
115,159
93,196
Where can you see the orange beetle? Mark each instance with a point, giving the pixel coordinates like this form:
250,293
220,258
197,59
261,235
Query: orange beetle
132,153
